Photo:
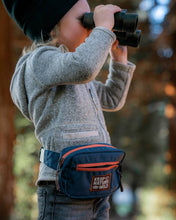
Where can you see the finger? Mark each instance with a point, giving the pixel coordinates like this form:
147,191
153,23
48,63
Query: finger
99,6
114,8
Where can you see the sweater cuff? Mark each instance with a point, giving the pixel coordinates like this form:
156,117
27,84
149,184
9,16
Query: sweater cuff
129,67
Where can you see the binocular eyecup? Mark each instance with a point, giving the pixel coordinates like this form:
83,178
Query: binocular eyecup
125,25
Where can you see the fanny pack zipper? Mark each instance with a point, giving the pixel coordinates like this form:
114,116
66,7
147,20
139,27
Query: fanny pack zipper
81,148
103,166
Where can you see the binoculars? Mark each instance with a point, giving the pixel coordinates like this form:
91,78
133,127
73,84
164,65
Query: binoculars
125,25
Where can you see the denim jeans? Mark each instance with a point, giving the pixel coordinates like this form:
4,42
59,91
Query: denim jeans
54,205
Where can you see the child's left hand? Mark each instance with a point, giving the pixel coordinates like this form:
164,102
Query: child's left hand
119,53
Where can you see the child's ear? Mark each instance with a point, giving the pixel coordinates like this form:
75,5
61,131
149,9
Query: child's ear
53,34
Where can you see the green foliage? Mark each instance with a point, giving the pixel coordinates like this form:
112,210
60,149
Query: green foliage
25,170
156,204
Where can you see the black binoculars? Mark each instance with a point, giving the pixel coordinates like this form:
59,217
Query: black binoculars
125,27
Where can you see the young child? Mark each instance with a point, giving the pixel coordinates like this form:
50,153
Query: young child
54,86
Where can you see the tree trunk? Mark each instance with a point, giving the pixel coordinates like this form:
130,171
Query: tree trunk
7,130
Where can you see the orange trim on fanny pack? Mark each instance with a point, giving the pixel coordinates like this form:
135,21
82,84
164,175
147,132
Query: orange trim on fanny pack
96,168
98,164
83,147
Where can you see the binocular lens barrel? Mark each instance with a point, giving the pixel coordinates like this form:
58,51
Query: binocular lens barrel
125,22
124,27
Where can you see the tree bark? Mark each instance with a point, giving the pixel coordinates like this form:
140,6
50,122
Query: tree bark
7,130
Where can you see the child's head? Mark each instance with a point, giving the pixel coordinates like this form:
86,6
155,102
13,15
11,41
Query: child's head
70,29
38,18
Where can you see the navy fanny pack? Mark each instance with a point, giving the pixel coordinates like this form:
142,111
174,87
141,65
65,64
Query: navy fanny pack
86,171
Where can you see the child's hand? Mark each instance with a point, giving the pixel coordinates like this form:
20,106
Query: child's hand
119,53
104,15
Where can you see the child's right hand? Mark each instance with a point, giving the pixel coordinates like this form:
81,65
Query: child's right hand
104,15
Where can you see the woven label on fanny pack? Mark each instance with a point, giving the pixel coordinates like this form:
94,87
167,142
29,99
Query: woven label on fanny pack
100,183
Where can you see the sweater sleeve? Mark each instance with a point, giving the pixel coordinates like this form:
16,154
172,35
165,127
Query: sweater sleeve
51,67
113,93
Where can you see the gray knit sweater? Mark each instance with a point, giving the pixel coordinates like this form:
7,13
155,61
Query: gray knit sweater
56,90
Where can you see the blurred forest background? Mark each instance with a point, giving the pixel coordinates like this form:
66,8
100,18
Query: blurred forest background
145,128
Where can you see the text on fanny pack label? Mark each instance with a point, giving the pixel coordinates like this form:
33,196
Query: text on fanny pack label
100,183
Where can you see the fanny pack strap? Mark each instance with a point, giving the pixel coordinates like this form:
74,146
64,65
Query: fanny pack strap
49,158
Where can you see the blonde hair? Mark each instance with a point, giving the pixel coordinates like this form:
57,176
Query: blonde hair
53,41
